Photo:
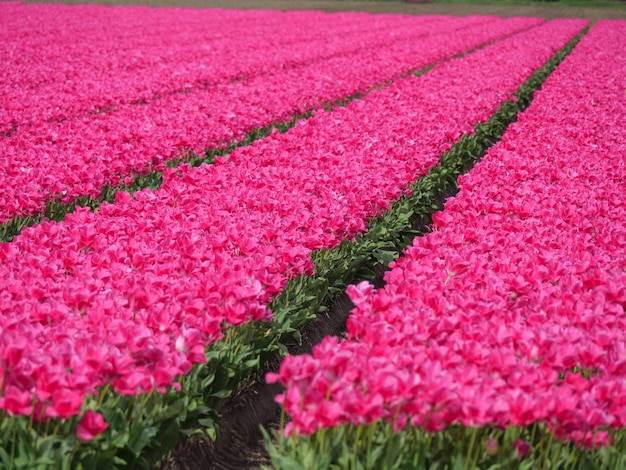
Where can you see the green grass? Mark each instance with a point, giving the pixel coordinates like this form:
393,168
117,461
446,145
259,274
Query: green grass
557,3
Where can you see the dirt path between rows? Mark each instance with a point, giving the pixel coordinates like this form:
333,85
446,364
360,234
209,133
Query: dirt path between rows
544,11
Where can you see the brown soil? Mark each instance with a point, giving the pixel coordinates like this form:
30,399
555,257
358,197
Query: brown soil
240,444
544,11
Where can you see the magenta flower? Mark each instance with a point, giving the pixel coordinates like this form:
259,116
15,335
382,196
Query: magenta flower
511,311
122,113
522,448
91,425
491,446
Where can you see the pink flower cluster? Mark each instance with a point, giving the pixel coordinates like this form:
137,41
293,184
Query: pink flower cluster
63,160
65,60
132,295
512,310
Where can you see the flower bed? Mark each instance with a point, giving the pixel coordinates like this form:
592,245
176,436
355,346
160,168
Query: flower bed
511,312
131,295
62,161
105,57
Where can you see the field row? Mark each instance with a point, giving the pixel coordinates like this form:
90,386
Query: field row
61,161
89,68
511,312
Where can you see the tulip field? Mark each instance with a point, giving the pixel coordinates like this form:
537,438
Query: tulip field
511,312
183,190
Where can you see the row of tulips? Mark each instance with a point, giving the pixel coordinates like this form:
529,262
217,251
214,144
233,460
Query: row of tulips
82,71
135,39
511,312
65,160
129,297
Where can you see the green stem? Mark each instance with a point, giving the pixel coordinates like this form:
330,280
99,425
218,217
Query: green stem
282,419
555,459
477,450
356,448
325,443
593,445
103,393
315,453
532,434
13,441
57,426
32,415
74,450
370,438
572,459
142,404
470,450
549,446
47,427
293,438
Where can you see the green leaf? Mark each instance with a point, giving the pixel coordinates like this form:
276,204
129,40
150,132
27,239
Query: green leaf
385,256
458,462
5,458
224,393
168,436
139,437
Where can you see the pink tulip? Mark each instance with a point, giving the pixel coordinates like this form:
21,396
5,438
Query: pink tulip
509,312
97,109
91,425
521,447
133,294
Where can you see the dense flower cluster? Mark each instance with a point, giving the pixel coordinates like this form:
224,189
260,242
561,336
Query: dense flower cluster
512,310
63,60
53,160
132,294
